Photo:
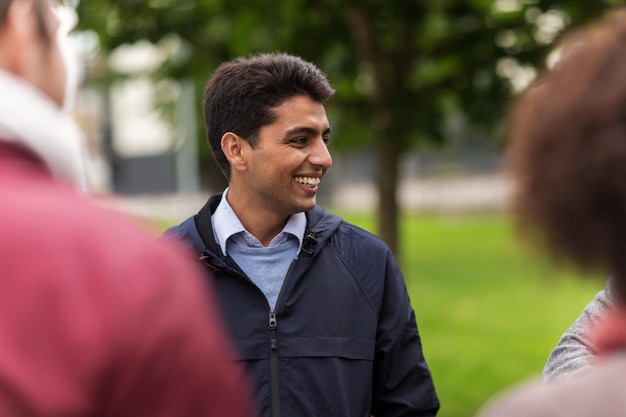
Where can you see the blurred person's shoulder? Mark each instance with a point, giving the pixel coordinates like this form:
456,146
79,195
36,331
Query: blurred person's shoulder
598,391
54,223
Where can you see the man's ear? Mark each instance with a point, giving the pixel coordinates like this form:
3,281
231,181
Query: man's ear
235,149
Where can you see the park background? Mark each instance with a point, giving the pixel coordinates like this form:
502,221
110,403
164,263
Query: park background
419,148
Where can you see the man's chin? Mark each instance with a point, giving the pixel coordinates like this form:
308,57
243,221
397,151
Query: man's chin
306,206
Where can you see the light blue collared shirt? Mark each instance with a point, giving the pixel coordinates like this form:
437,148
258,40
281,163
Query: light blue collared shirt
227,227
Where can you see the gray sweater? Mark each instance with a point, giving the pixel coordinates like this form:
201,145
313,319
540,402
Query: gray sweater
575,351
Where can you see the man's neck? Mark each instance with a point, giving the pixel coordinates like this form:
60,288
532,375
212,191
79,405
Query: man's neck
262,224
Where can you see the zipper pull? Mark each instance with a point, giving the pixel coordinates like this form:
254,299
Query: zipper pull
273,324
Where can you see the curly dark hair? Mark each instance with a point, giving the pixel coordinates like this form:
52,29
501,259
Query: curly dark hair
567,152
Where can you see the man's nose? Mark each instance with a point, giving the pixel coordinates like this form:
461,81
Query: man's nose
321,155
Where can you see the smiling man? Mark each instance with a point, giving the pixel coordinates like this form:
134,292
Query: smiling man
317,307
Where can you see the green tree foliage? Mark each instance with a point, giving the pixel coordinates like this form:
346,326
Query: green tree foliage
400,67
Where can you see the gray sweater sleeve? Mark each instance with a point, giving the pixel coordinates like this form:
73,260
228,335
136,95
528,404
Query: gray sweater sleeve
575,351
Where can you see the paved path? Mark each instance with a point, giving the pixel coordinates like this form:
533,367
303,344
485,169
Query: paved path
476,193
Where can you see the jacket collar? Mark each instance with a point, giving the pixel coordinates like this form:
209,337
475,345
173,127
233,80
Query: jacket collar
320,226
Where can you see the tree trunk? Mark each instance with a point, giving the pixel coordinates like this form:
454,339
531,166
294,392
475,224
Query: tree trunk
365,39
388,208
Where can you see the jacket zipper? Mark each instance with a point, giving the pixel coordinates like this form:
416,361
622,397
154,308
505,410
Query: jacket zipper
273,326
275,391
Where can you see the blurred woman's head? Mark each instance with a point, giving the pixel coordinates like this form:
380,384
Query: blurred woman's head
568,150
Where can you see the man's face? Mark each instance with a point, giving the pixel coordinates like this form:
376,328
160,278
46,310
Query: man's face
291,157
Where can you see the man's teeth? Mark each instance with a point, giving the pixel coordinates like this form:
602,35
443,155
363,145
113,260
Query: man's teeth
309,181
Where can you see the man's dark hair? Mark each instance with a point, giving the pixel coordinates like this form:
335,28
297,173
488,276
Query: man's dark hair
242,93
568,153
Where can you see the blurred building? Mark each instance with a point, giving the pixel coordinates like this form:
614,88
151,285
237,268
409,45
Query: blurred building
141,131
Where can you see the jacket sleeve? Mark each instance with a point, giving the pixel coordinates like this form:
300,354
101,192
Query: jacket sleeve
403,384
575,351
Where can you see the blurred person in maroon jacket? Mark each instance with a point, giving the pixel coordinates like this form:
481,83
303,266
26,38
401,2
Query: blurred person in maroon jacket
97,317
568,156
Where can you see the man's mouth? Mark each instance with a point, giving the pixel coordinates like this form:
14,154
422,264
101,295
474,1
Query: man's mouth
310,182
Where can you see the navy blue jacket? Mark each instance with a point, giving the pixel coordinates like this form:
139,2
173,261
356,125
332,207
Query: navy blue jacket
342,340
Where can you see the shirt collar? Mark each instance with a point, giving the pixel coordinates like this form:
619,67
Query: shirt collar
226,224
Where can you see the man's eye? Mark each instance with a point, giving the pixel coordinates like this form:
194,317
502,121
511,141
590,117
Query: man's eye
327,140
299,141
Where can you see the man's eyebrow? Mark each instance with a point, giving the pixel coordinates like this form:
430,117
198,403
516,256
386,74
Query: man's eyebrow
307,130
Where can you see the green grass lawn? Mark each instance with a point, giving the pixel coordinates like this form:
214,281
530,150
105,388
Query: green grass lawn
488,309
